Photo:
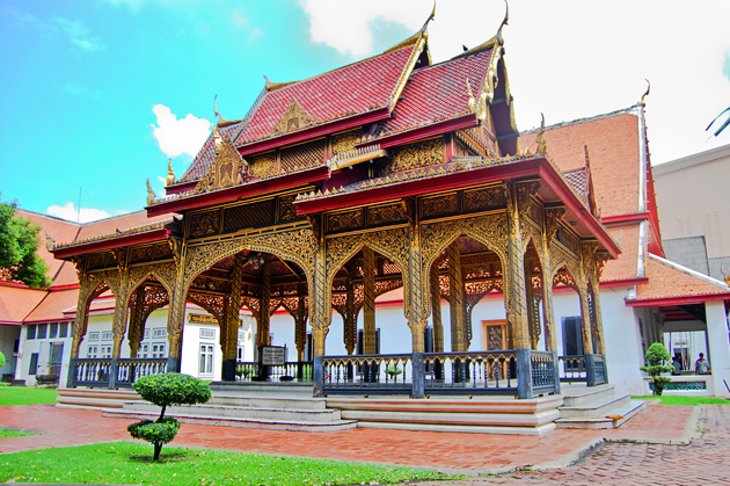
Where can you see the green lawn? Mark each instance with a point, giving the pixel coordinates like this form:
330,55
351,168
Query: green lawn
130,463
23,395
687,401
10,433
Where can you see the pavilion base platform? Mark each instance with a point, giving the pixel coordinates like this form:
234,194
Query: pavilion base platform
598,407
94,398
482,414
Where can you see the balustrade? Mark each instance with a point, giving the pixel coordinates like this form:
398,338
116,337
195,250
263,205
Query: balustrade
387,373
299,371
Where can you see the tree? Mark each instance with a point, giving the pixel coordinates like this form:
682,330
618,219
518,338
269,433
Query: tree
18,245
165,390
656,356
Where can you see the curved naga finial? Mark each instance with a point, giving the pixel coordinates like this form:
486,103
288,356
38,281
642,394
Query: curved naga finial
150,193
215,111
170,173
505,21
540,138
646,93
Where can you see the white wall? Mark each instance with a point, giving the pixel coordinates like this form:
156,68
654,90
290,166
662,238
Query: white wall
717,336
43,348
8,336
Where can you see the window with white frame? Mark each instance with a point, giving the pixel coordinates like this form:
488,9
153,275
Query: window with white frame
143,351
107,336
94,336
159,332
53,330
63,329
207,333
158,350
92,352
146,334
206,359
106,351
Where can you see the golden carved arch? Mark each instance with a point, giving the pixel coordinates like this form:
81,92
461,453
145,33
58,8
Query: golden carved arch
138,275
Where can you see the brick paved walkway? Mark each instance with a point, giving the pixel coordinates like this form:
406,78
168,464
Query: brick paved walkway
705,461
57,427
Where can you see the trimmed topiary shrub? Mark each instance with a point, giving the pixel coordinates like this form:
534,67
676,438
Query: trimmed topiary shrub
656,356
165,390
2,359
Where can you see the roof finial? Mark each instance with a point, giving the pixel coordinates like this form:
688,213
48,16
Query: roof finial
505,21
150,193
540,138
170,173
646,93
472,101
215,111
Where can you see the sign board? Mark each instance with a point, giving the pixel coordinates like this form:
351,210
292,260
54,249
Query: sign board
202,319
273,355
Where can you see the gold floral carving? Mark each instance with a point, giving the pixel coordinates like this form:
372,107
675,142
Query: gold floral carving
387,214
484,199
345,220
227,169
205,223
263,166
293,119
439,205
346,141
414,156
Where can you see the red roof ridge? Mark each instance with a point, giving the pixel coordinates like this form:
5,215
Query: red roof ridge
689,271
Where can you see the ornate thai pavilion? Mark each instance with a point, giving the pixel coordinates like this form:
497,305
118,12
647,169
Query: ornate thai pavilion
391,172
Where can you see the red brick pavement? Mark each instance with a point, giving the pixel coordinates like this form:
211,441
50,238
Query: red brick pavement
56,427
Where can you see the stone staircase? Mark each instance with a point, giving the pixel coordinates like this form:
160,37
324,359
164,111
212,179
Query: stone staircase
94,398
259,405
487,415
598,407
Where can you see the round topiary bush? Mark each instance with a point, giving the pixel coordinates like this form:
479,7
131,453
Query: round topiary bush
2,359
655,357
165,390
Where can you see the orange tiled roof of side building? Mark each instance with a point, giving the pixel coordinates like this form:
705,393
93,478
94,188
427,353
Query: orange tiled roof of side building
613,148
670,280
52,307
16,302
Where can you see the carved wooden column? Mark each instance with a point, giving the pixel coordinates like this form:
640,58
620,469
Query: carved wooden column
515,276
320,299
417,307
176,313
585,316
81,321
350,319
232,319
597,316
121,304
136,321
300,324
263,334
457,306
551,221
438,328
368,305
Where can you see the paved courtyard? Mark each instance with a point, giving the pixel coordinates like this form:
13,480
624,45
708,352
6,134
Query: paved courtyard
663,461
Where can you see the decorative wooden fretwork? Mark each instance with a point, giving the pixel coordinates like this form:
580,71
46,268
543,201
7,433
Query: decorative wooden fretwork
484,199
150,253
302,156
293,119
414,156
386,214
443,205
227,169
345,142
263,166
345,220
204,224
253,215
100,260
286,211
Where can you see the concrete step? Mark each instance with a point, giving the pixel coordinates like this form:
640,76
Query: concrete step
576,395
475,429
612,420
599,408
266,401
303,426
263,389
94,398
528,420
239,412
447,404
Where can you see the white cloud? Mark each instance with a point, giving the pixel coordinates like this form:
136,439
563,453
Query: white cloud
79,35
69,212
177,137
572,59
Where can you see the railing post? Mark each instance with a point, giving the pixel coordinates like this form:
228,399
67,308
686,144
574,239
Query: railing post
318,376
71,378
556,371
590,370
113,370
173,364
524,374
228,373
418,384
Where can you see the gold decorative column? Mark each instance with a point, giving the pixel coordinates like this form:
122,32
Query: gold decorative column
300,323
232,315
320,300
417,302
176,312
551,220
368,304
585,316
456,299
515,276
263,334
438,328
136,321
350,319
121,304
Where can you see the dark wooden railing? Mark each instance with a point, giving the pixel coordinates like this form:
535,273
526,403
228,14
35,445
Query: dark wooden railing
573,368
299,371
523,373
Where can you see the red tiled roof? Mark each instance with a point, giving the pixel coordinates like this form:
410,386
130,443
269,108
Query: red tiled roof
53,305
16,302
668,280
438,92
578,180
350,90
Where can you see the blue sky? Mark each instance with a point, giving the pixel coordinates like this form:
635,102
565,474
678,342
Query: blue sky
81,78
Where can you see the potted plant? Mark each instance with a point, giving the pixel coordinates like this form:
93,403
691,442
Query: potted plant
393,370
656,356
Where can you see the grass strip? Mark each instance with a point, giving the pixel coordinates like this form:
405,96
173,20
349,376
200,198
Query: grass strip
685,401
25,395
6,433
131,463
